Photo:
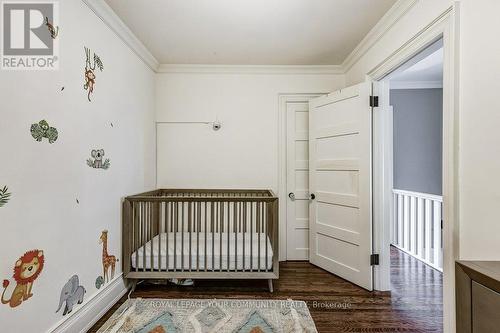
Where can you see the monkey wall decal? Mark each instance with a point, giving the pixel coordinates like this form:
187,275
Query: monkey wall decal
53,31
91,63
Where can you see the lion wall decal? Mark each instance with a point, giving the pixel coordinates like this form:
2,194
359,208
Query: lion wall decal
26,271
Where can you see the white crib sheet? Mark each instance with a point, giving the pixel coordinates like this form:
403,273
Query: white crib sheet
221,258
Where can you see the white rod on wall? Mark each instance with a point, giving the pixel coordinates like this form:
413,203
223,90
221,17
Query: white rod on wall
184,122
216,124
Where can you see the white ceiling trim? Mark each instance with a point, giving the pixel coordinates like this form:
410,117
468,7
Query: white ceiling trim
416,84
393,15
102,10
252,69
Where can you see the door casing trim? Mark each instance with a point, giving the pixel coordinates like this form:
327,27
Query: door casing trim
445,26
282,161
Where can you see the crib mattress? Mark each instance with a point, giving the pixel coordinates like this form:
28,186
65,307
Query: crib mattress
227,252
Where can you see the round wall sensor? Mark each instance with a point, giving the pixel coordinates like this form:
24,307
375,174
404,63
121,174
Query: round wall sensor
216,126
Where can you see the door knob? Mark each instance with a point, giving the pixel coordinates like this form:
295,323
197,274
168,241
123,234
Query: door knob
291,195
313,196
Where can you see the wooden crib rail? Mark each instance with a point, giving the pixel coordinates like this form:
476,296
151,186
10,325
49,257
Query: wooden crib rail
203,193
217,231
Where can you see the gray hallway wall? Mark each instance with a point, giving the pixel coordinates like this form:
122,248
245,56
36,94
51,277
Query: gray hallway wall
418,131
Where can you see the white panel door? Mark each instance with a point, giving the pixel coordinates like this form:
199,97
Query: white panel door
297,205
340,181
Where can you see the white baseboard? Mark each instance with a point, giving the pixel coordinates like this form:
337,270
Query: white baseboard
84,317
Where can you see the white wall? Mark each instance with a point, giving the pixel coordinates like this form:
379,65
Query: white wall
418,17
479,134
418,140
479,138
479,181
244,153
46,179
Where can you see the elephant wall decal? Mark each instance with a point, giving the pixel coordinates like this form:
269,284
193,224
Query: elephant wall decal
72,293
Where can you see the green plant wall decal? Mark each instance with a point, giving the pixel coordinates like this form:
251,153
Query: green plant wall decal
42,130
99,282
4,196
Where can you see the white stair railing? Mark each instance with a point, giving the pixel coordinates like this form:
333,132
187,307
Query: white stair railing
417,226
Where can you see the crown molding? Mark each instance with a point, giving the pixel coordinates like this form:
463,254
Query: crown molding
393,15
415,85
102,10
251,69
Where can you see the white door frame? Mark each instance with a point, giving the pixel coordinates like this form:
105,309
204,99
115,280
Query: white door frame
446,27
282,163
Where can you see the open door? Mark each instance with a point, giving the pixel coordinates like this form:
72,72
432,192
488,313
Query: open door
340,183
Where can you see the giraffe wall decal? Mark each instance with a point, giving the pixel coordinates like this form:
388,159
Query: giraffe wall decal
108,261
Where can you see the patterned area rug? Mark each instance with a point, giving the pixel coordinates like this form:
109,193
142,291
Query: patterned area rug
205,316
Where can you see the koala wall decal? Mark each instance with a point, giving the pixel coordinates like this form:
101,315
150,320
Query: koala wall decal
97,160
42,130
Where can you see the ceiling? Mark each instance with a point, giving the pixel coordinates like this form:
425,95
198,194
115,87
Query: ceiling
427,69
251,32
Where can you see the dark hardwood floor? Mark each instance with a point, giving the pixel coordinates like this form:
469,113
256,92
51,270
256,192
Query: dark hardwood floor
414,305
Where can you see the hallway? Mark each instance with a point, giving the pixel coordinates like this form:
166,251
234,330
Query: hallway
417,292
